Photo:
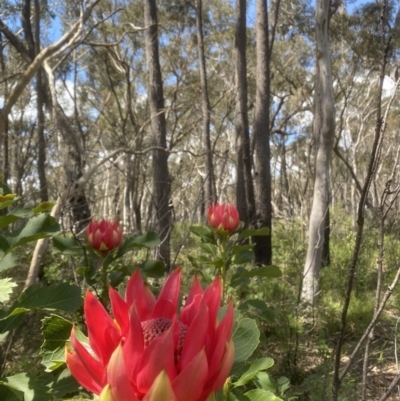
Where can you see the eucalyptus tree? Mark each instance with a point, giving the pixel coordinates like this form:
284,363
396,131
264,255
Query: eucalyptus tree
161,184
244,183
324,134
261,133
209,180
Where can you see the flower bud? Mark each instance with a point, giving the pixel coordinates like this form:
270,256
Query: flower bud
223,216
104,236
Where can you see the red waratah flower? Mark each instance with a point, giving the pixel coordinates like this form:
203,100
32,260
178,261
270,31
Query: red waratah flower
104,236
149,352
223,216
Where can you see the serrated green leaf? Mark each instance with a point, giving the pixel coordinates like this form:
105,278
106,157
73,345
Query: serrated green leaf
6,286
7,199
261,232
32,386
246,338
256,366
56,331
261,395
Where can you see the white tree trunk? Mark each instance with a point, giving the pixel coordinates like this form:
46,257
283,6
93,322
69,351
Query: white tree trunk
324,131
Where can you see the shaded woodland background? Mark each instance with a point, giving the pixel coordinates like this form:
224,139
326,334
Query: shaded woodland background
150,111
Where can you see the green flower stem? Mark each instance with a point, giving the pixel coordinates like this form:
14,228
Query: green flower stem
104,281
224,268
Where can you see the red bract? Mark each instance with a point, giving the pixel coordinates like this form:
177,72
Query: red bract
104,236
148,352
223,216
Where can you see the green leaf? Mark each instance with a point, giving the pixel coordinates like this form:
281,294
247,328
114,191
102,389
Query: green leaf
64,384
6,394
7,200
271,271
148,240
237,248
67,246
6,286
21,212
257,366
243,256
258,308
41,226
209,248
43,207
8,261
261,395
56,331
17,311
32,386
203,232
237,279
261,232
64,297
8,219
9,323
246,338
153,268
283,384
264,381
193,261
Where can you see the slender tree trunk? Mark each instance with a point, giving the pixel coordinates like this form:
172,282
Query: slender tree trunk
5,137
40,100
128,194
324,131
244,185
209,180
161,185
262,151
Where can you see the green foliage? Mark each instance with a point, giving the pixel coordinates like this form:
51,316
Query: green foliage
6,286
56,332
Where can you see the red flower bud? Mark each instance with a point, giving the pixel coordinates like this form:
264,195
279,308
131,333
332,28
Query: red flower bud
223,216
104,236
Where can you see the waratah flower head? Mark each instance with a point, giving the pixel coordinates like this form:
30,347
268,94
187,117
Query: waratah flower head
148,351
223,216
104,236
